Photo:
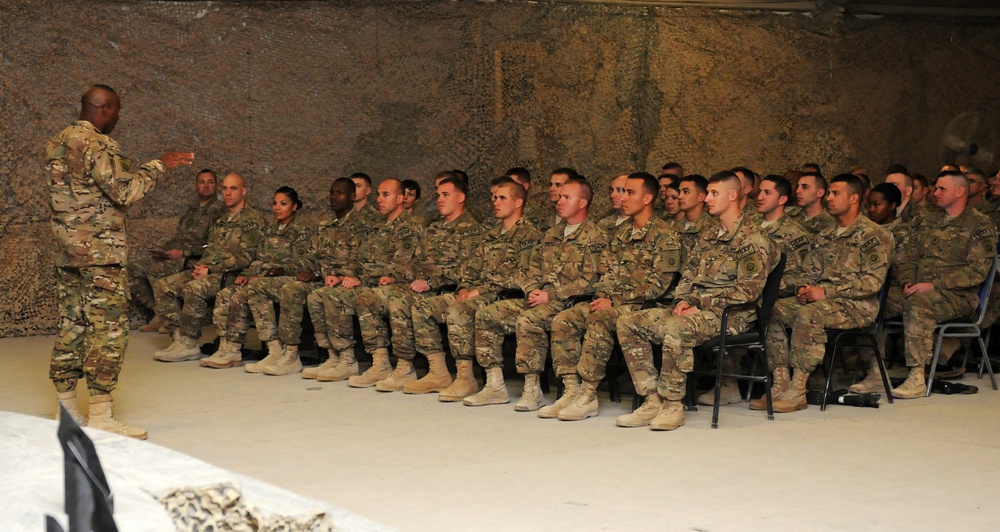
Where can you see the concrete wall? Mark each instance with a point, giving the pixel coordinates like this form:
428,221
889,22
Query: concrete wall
299,93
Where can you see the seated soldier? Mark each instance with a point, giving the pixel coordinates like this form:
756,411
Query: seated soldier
731,267
188,241
808,196
614,217
697,223
564,265
638,264
232,243
496,264
671,204
836,288
411,196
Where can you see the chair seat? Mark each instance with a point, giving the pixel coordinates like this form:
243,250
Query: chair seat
748,339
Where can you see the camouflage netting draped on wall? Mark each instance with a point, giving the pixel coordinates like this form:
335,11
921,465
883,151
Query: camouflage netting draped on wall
301,92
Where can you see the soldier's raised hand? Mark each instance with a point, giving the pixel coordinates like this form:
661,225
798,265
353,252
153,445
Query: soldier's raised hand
176,158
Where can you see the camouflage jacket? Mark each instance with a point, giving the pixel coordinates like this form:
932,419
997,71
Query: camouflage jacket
900,235
369,216
541,215
815,224
566,266
442,250
90,184
285,247
991,208
638,265
849,265
388,248
953,254
233,241
609,222
333,250
192,229
692,237
728,269
795,242
500,258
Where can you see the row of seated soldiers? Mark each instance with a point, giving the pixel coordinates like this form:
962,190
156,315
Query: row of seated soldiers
720,252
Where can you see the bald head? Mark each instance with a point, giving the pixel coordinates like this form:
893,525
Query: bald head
100,106
234,192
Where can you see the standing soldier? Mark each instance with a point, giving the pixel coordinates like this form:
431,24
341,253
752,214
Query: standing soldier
564,265
731,268
639,263
90,185
188,243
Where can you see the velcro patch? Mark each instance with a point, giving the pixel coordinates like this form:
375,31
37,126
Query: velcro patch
596,248
869,245
983,233
746,250
799,243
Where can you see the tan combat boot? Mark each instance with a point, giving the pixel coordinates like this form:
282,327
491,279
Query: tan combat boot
465,384
671,416
779,383
274,351
571,383
794,398
493,393
346,368
872,381
181,349
154,324
380,370
438,377
288,363
531,398
228,356
101,418
584,404
403,374
331,362
68,401
730,394
913,387
642,415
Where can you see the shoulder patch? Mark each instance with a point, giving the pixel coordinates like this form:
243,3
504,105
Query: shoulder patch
870,244
745,251
798,243
982,233
596,248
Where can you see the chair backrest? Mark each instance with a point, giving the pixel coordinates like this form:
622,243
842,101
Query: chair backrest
985,289
770,293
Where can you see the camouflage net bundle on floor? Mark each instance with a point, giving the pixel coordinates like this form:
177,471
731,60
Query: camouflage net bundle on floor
222,507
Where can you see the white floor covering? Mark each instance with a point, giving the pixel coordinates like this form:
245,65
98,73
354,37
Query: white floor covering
413,463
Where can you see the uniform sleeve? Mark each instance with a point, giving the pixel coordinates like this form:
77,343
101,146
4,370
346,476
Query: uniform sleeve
113,173
250,238
592,248
298,253
641,286
402,266
982,250
469,239
751,274
876,251
604,286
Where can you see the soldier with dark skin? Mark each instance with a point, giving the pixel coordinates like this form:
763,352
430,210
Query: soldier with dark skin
91,184
731,268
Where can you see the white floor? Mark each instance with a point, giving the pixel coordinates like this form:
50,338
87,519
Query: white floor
413,463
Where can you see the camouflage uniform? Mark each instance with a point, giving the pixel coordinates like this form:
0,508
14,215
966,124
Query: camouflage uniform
382,253
232,243
441,252
955,255
369,216
90,185
497,263
562,267
692,236
815,224
283,246
637,265
330,252
731,268
795,242
850,266
190,238
609,222
540,214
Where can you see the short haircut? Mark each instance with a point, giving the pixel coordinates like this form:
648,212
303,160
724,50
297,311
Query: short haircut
820,180
673,166
504,179
346,181
811,167
362,175
461,175
890,192
566,171
896,169
726,176
745,171
920,178
291,193
675,186
781,185
459,183
673,179
516,189
445,174
854,184
409,184
521,175
975,171
398,184
962,180
649,183
208,171
865,180
586,191
699,181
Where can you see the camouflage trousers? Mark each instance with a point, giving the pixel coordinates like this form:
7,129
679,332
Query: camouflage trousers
921,313
460,316
531,325
992,306
394,302
93,328
231,315
291,296
638,331
195,293
143,275
806,347
332,310
582,340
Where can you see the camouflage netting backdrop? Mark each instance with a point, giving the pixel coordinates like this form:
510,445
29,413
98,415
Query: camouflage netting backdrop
301,92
